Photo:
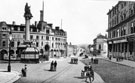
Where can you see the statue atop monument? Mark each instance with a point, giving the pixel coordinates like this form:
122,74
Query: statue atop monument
27,13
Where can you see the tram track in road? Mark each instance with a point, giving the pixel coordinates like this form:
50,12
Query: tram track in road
52,78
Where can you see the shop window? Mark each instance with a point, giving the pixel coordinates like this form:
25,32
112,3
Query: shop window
110,47
131,47
134,29
131,29
125,47
122,49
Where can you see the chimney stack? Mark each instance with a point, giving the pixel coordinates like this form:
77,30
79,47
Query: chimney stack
42,13
13,23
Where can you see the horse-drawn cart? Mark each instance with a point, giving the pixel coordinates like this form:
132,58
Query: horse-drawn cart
74,60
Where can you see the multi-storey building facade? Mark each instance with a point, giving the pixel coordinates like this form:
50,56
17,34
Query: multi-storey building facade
121,30
42,34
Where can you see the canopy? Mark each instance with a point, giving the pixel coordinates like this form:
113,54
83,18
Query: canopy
30,50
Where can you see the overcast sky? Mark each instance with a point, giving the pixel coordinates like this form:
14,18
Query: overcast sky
82,19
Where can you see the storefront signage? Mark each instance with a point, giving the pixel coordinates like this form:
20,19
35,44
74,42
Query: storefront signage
110,42
120,41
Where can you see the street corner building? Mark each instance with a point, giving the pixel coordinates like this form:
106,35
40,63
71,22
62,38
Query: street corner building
121,30
48,41
100,45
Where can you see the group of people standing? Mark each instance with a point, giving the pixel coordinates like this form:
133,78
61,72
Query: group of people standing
88,72
53,66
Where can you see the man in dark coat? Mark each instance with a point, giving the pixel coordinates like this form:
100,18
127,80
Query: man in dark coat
55,65
52,66
23,72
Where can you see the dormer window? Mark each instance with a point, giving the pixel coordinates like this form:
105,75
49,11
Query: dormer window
3,28
21,29
47,31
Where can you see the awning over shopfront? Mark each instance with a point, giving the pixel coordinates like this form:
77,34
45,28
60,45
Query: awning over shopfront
131,38
117,41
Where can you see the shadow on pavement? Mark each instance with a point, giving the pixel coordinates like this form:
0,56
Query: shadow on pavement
49,70
70,63
80,77
3,71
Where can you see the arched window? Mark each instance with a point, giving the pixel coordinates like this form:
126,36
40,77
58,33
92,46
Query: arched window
99,47
12,44
47,31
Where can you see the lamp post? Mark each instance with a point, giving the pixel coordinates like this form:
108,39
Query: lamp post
10,38
66,49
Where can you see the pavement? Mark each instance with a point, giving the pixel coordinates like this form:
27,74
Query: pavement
73,75
10,77
123,62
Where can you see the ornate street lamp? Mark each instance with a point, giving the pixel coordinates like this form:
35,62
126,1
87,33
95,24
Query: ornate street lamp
10,38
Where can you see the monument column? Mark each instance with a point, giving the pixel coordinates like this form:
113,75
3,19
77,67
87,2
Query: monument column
27,16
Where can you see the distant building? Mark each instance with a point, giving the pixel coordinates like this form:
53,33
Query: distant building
81,51
121,30
42,34
71,49
100,44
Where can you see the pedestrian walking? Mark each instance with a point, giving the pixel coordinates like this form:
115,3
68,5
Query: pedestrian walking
55,65
91,73
52,66
23,72
85,68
